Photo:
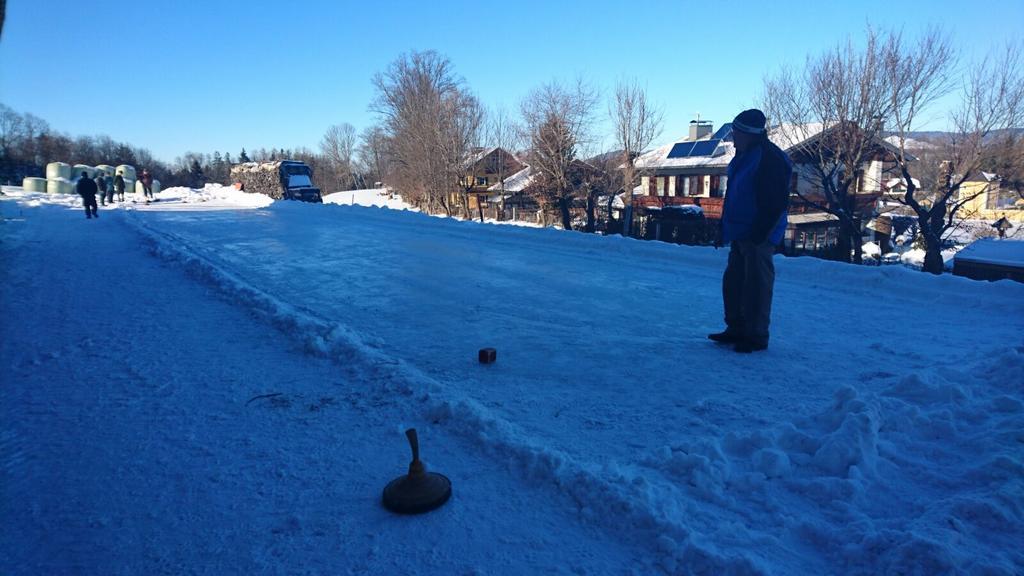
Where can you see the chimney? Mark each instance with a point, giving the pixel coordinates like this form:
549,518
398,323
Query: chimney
699,129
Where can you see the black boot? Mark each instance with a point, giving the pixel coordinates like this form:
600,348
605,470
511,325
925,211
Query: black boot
746,346
725,337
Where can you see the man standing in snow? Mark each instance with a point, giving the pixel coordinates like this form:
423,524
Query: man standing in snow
101,186
753,222
86,188
108,191
147,185
119,186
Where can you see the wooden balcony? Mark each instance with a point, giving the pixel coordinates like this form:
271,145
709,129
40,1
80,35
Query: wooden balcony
712,206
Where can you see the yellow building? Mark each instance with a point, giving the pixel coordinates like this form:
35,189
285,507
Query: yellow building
989,200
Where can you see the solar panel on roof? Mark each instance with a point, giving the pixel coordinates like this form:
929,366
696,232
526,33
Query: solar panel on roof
723,132
704,148
681,150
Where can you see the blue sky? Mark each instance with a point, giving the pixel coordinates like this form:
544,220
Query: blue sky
176,76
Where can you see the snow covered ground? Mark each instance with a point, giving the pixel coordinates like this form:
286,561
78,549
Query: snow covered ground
374,197
880,433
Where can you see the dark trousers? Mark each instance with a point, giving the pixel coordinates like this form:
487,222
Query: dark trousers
109,197
747,287
89,201
147,191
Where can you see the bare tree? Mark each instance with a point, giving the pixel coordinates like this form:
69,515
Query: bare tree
460,132
12,126
431,121
557,124
832,116
992,101
503,133
637,123
338,148
373,153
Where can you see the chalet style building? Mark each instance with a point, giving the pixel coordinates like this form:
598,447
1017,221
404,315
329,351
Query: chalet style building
989,197
483,169
692,172
516,198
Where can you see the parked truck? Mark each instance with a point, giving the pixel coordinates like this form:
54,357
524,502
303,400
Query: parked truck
281,180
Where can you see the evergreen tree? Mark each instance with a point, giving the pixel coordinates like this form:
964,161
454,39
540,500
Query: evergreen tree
243,157
195,174
219,172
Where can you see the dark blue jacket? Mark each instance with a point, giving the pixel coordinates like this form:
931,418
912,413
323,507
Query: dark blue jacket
757,195
86,187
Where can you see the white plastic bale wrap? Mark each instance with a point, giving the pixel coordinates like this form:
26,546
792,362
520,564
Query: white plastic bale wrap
139,188
57,170
34,184
60,186
127,171
107,170
156,187
76,172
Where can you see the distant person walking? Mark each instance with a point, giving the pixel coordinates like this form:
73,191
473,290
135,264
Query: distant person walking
147,185
86,188
753,222
119,186
101,187
108,190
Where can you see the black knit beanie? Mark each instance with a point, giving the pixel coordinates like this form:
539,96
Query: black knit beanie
750,121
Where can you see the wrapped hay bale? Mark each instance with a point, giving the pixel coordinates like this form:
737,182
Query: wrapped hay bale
34,184
108,171
55,170
76,172
259,178
60,186
156,187
128,172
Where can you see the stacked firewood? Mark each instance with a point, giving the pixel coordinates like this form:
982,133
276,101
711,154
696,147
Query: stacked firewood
259,178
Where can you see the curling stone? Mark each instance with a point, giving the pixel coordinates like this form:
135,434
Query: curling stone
418,491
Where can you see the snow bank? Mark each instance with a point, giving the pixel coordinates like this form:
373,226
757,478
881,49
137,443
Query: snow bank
373,197
214,193
914,258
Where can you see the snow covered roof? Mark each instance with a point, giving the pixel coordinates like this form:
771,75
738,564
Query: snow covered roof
658,158
894,182
516,182
811,218
1002,252
479,154
785,136
788,135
